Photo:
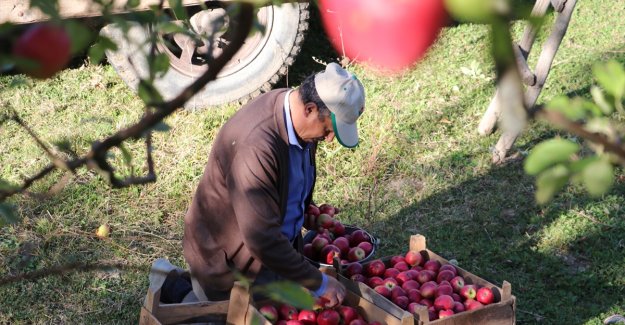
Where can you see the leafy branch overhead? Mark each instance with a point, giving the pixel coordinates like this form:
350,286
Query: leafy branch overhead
156,110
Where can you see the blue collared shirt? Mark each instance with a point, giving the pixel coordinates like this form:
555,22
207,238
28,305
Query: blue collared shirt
301,176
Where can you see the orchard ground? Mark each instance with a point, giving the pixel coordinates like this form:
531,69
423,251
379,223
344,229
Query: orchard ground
420,168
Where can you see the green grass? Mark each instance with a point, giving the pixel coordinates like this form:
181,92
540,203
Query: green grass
421,168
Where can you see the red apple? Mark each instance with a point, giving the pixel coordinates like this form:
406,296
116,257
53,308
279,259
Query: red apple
458,307
325,221
390,283
397,291
329,252
468,291
485,295
328,317
269,312
428,289
444,302
413,258
432,313
412,273
357,237
47,46
432,265
401,266
355,254
359,278
457,283
327,209
391,272
401,301
444,275
358,322
307,317
383,290
449,267
445,313
456,297
343,244
414,295
375,268
425,276
287,312
293,322
353,268
319,243
375,281
444,290
308,251
313,210
414,307
426,302
471,304
338,228
402,277
410,284
387,35
397,258
366,246
347,313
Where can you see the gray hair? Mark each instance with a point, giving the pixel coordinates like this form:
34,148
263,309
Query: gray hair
308,93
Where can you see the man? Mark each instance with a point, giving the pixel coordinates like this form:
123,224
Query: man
248,210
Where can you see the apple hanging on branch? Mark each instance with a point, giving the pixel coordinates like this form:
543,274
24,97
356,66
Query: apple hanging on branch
388,35
43,50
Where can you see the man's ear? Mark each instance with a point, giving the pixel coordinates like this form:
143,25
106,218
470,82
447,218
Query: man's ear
309,108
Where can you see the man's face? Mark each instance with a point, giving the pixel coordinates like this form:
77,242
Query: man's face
318,128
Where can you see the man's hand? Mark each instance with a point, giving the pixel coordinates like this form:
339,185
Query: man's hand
335,293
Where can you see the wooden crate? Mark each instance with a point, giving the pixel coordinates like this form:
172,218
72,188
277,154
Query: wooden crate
153,312
243,310
501,312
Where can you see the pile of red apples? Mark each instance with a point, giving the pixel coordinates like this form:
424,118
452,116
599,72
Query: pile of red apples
332,240
412,282
284,314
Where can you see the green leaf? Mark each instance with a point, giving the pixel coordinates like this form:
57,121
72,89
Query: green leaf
549,153
48,7
80,35
160,64
579,165
170,28
611,76
148,93
133,3
473,11
598,177
7,214
97,51
600,100
562,104
551,181
286,292
179,12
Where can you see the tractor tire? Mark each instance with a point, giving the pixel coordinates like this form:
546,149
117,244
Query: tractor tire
256,68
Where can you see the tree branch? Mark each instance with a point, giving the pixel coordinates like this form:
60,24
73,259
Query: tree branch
578,129
155,113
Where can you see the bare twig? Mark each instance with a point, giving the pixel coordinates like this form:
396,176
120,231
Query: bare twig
64,269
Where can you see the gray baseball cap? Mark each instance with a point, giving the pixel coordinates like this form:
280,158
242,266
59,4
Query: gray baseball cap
344,95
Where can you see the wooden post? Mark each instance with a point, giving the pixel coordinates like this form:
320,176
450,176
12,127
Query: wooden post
543,66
